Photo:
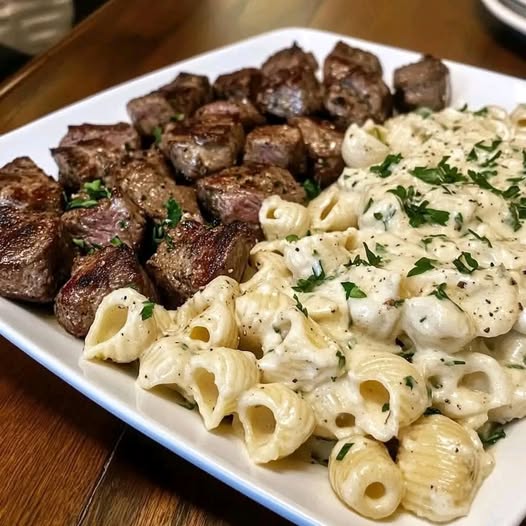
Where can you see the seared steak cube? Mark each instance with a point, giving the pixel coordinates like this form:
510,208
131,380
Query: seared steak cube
85,161
121,135
195,254
24,185
289,58
89,151
34,260
357,97
95,276
343,59
324,144
146,179
290,92
187,92
236,194
98,222
278,145
422,84
149,112
201,148
238,85
243,111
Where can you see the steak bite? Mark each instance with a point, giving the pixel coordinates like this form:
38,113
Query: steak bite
24,185
343,59
289,58
242,84
34,260
195,254
357,97
149,112
146,179
278,145
422,84
84,162
200,148
121,135
237,110
88,151
186,93
236,194
95,276
97,221
290,92
324,144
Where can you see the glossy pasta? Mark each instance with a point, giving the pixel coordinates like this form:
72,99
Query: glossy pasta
396,294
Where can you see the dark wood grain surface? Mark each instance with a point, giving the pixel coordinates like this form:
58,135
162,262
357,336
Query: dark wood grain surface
64,460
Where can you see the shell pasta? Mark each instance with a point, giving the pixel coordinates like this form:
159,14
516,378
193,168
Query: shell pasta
385,318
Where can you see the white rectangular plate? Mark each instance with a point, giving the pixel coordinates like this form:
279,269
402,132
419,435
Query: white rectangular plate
298,491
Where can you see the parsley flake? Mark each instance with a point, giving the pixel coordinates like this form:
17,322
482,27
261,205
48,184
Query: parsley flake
491,433
421,266
291,238
116,241
352,290
344,450
443,173
308,284
385,407
373,259
147,310
386,168
157,133
300,307
484,239
466,263
341,359
312,189
410,382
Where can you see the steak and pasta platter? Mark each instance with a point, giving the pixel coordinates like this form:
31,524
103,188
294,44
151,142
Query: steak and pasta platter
334,270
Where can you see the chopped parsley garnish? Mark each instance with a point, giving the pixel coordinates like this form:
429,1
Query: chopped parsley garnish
187,404
368,205
491,433
344,450
85,247
410,382
514,217
385,407
440,293
443,173
466,263
459,221
116,241
464,108
419,213
386,168
450,363
482,112
312,188
372,258
421,266
341,359
174,213
352,290
95,190
515,366
177,117
424,112
308,284
147,310
300,307
291,238
524,162
157,133
484,239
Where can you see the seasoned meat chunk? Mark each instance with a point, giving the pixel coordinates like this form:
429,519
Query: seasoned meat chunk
357,97
85,161
243,111
238,85
24,185
289,58
149,112
236,194
278,145
89,151
187,92
289,92
146,179
99,222
95,276
422,84
201,148
324,145
195,255
34,260
343,59
121,135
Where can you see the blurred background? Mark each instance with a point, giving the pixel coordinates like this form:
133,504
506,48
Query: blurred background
30,27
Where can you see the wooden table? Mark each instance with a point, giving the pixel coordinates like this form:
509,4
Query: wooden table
63,459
